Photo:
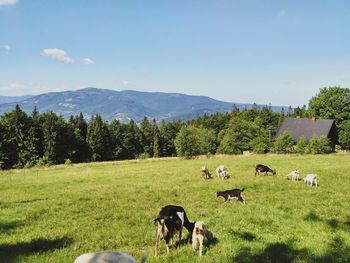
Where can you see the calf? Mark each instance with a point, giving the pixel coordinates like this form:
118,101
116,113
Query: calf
200,235
221,171
232,194
294,175
260,168
205,172
170,220
311,179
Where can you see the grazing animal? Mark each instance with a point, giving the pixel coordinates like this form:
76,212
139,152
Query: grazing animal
200,235
170,220
232,194
260,168
311,179
205,172
105,257
294,175
221,171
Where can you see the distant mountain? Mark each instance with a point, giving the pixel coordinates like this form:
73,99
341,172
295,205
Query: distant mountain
124,105
9,99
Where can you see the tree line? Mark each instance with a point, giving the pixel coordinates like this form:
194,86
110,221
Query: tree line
47,138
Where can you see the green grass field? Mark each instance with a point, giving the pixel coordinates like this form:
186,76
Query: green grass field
55,214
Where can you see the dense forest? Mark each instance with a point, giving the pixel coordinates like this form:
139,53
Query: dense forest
46,138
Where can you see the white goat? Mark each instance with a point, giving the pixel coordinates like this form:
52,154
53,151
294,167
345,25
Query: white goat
311,179
105,257
294,175
205,172
221,171
200,235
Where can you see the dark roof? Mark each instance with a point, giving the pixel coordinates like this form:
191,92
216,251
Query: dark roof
305,127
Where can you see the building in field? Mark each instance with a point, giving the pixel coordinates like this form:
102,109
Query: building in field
299,127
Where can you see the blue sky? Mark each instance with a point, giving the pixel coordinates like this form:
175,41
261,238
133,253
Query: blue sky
278,52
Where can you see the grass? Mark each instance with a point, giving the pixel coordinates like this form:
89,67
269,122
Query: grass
55,214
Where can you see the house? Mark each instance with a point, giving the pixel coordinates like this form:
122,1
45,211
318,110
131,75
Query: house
299,127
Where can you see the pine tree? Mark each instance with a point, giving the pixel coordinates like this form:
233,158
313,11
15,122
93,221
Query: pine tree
146,130
155,140
50,137
99,140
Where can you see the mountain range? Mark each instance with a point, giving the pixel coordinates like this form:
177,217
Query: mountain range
122,105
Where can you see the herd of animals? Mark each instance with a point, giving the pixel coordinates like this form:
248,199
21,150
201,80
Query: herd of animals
172,219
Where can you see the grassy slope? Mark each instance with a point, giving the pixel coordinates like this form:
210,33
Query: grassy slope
58,213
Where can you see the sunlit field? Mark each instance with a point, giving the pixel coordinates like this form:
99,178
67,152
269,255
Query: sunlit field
55,214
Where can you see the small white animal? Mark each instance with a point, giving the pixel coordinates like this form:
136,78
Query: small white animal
294,175
200,235
105,257
311,179
205,172
221,171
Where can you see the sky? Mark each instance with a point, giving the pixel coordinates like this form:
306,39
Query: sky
268,52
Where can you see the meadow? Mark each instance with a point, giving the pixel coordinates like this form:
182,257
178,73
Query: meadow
55,214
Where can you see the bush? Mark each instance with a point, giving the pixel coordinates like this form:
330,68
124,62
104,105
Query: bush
43,162
318,145
344,135
192,141
284,143
260,145
237,137
30,164
143,156
68,162
301,146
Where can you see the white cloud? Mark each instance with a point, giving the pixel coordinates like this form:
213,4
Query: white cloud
13,88
16,88
87,61
57,54
15,85
7,2
282,13
125,82
7,48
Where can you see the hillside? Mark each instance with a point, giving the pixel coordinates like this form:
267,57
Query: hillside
124,105
10,99
55,214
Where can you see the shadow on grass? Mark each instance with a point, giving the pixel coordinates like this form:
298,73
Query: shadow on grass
29,201
312,216
347,223
6,227
247,236
9,252
276,252
188,240
332,223
337,251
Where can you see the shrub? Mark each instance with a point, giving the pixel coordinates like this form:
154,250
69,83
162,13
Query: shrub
68,162
237,137
319,145
143,156
301,146
260,145
344,135
192,141
284,143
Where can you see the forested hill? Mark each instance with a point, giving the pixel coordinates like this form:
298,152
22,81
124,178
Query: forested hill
9,99
124,105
